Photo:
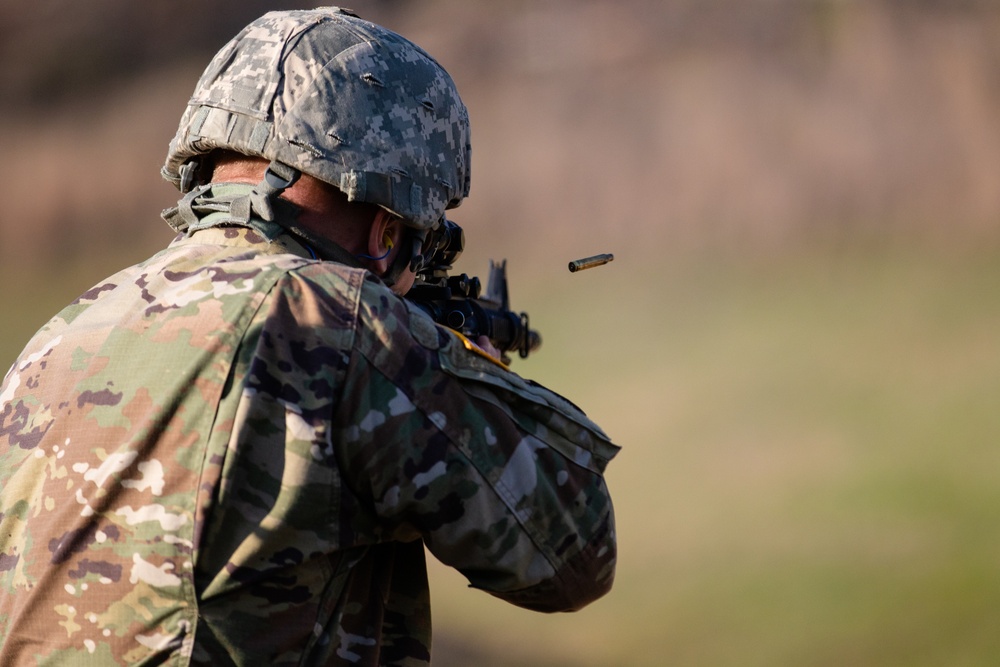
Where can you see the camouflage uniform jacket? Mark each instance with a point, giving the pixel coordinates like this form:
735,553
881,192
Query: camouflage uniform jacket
234,454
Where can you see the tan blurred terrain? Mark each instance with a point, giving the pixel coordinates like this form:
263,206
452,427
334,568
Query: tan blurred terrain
661,124
796,344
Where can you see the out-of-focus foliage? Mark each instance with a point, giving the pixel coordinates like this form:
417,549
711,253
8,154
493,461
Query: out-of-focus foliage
745,124
58,52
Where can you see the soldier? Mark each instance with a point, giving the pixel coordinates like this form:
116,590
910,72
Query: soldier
235,452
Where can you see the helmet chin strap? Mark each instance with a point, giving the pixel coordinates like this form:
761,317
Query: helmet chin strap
278,177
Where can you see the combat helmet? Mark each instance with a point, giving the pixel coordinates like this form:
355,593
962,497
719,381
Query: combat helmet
325,93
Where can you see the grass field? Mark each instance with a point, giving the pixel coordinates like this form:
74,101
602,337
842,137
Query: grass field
809,464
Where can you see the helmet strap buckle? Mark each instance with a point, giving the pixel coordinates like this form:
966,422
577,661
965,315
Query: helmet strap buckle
188,173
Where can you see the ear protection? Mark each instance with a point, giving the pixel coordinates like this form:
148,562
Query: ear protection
387,241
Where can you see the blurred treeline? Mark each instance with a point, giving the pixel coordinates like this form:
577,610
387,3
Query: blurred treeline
665,124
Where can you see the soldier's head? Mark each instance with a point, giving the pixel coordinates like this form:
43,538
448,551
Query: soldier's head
327,96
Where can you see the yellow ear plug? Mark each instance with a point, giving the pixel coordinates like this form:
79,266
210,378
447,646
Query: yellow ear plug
388,241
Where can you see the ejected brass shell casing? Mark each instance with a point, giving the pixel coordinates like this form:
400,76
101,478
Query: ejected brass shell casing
590,262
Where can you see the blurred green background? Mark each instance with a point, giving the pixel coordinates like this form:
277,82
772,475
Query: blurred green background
796,345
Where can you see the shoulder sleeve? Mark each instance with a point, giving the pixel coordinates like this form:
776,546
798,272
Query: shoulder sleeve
500,477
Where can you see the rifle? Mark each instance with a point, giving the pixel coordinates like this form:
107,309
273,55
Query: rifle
458,302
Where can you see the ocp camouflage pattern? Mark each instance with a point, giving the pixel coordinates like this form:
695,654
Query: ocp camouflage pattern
342,99
232,454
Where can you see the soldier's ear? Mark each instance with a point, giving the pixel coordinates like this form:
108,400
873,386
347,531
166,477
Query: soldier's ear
383,236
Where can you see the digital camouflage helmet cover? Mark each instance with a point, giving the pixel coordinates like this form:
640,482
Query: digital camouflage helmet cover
341,99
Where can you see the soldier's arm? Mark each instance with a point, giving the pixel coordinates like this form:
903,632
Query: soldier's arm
502,479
